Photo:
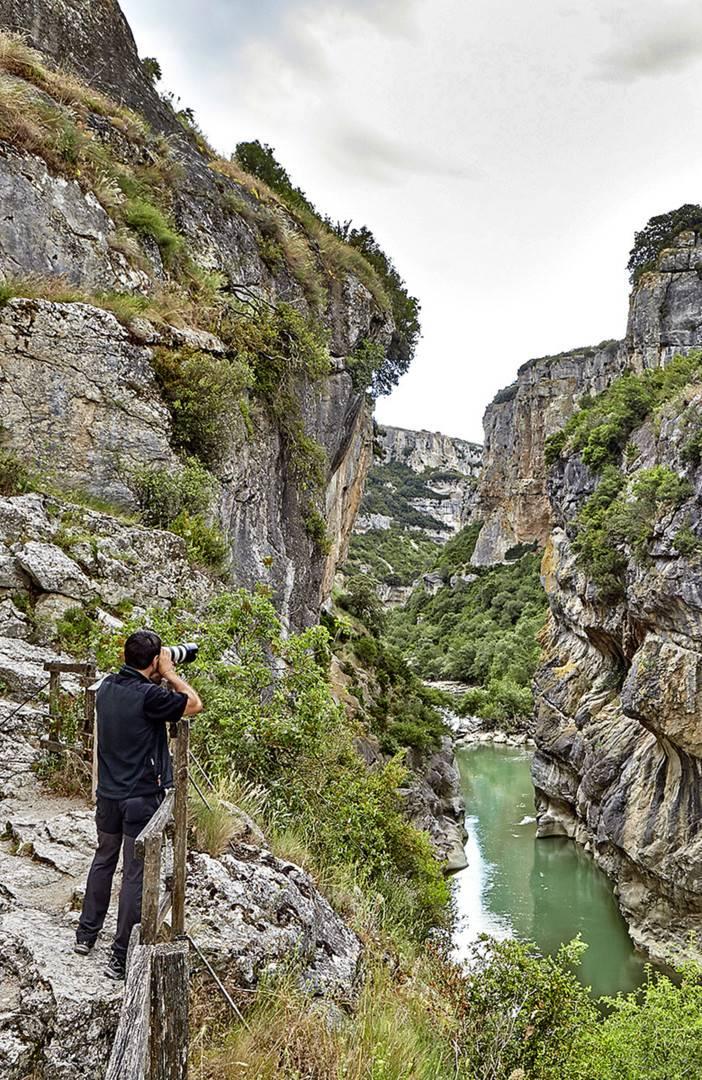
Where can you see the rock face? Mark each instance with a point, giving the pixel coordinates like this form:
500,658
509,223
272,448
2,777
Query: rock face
665,317
435,804
619,708
449,468
248,912
78,396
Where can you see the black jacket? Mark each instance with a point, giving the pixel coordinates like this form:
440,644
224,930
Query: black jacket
132,714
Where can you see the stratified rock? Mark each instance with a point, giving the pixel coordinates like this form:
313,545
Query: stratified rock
433,802
619,712
78,398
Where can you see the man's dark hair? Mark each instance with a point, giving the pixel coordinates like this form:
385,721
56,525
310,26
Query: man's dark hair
140,648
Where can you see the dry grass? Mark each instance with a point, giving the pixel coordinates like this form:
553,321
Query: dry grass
18,58
219,822
396,1031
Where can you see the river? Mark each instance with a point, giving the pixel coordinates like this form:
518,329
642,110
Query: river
546,891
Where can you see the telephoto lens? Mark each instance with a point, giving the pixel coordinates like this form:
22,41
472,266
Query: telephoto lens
183,654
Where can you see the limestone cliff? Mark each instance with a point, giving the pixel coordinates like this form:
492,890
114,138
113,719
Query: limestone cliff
449,468
78,394
665,317
619,702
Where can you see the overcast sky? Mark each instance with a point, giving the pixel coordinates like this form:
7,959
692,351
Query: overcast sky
503,153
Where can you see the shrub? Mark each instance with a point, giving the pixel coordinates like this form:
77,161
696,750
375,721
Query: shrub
618,516
602,426
147,220
203,393
162,494
364,362
360,598
204,542
15,478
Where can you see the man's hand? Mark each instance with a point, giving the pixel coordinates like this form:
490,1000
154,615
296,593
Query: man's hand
166,667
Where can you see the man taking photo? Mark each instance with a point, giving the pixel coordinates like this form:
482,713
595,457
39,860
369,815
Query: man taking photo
134,769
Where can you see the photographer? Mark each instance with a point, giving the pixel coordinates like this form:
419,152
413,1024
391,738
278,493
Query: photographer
134,769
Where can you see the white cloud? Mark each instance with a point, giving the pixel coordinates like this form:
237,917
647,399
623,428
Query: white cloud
651,42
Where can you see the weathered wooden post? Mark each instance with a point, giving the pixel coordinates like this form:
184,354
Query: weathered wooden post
180,838
169,1011
54,702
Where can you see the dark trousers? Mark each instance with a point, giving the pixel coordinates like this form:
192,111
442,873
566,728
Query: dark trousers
118,822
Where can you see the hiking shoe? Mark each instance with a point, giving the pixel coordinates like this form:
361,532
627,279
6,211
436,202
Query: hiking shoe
83,947
115,969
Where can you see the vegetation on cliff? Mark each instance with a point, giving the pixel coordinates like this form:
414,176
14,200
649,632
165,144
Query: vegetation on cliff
658,233
482,632
619,518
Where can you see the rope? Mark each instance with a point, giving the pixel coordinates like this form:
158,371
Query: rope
31,698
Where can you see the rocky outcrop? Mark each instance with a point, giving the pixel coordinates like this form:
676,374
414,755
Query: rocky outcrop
248,912
434,803
512,497
619,708
423,450
78,396
665,317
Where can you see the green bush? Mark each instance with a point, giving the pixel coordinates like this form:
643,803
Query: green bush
658,234
366,359
620,517
203,393
180,501
652,1034
395,556
147,220
600,430
360,598
15,478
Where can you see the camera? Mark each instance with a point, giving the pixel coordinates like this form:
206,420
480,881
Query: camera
183,654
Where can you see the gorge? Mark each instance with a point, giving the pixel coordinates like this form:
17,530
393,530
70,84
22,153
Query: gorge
190,354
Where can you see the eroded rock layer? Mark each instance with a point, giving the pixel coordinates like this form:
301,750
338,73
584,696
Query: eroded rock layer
619,707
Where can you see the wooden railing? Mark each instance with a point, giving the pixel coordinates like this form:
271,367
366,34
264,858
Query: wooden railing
152,1036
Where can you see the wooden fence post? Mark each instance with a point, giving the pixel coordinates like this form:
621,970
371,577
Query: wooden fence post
151,888
180,838
130,1052
54,705
169,1011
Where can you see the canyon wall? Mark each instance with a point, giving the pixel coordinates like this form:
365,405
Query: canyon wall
665,317
78,395
618,693
449,468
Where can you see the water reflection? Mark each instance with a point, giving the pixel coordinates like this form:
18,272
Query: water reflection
543,890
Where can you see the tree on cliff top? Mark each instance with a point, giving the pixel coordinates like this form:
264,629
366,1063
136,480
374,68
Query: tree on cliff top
658,233
259,159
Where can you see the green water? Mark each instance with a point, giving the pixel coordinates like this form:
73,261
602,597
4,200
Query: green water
545,891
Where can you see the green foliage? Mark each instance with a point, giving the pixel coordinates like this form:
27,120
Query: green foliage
457,552
618,518
658,233
516,1010
350,249
483,633
152,69
15,478
652,1034
394,556
203,392
366,360
270,716
180,501
360,599
602,426
147,220
687,543
405,308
